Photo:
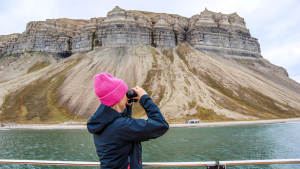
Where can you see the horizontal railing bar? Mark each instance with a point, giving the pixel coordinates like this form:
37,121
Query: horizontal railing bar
258,162
179,164
82,163
156,164
48,162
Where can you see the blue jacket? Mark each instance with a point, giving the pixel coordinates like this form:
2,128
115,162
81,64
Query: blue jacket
118,137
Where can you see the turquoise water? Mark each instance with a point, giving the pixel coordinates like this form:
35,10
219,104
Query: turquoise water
179,144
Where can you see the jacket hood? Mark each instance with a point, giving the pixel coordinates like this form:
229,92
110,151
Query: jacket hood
101,118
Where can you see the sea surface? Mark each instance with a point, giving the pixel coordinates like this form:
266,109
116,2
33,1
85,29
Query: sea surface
270,141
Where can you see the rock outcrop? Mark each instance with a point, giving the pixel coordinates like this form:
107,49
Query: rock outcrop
222,33
53,36
210,31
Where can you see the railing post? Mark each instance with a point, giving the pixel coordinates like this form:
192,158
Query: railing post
217,166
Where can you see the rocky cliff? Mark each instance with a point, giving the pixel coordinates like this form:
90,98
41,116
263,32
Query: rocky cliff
206,67
208,30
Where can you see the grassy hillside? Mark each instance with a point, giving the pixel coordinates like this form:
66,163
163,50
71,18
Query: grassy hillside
184,82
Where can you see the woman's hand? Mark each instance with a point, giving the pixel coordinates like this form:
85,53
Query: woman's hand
139,91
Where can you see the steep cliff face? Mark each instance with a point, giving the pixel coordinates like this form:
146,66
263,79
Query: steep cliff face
207,67
222,33
208,31
53,36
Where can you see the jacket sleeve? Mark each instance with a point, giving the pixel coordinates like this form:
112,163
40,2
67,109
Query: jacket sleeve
127,112
141,130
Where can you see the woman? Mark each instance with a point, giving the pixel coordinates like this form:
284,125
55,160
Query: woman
117,136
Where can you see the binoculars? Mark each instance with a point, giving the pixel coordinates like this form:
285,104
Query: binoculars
130,95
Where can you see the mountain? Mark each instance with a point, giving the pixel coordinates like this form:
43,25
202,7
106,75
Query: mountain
207,67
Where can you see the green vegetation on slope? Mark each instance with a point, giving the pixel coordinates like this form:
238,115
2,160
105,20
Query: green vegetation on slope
38,65
243,100
203,114
251,102
138,110
182,51
208,115
152,75
37,102
169,54
249,62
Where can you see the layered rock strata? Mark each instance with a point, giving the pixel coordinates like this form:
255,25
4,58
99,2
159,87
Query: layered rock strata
53,36
222,33
217,32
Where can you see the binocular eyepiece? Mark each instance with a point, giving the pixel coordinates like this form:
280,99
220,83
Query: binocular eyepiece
130,95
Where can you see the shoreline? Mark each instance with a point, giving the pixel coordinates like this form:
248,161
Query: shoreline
82,125
237,123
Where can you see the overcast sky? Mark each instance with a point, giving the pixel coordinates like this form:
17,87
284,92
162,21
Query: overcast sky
276,23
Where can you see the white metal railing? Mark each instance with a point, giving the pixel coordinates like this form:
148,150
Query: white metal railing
157,164
258,162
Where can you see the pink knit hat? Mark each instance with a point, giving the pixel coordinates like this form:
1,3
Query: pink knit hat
109,89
